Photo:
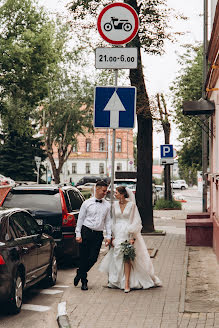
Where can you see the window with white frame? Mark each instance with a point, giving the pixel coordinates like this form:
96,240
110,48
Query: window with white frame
101,168
74,167
119,167
87,168
88,145
118,145
101,144
74,148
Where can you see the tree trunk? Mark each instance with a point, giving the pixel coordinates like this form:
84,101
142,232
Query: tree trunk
144,146
144,173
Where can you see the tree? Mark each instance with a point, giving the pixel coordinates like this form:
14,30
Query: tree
64,115
153,23
28,52
28,56
188,86
17,155
164,120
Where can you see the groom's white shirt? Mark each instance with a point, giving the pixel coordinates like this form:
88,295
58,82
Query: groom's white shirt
95,216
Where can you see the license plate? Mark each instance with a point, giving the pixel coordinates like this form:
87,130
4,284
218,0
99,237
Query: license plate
39,221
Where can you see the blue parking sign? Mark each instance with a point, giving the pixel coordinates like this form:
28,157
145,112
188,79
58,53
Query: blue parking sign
166,151
166,154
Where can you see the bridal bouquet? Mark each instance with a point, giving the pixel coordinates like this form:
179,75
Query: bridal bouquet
128,251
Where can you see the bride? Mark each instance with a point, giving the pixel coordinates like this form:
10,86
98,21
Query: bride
126,225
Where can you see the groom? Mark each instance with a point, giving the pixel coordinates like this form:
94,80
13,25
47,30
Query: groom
93,217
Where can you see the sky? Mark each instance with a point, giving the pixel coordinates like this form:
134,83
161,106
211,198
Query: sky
160,71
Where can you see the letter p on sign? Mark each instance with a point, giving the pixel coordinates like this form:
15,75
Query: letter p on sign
166,150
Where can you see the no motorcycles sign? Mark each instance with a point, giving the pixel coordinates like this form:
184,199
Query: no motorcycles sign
118,23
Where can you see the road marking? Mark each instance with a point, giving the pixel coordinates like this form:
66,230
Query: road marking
60,286
62,309
50,291
37,308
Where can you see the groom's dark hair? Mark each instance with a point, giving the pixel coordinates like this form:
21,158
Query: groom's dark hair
101,183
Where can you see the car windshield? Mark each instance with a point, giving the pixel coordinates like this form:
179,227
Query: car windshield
35,200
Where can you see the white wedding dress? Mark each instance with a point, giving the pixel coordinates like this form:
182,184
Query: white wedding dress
125,226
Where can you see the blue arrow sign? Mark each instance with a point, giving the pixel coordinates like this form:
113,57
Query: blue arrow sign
114,107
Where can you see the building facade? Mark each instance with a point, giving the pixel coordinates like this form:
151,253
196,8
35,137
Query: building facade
212,85
93,155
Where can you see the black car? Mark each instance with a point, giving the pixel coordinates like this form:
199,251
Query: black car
57,205
92,179
27,255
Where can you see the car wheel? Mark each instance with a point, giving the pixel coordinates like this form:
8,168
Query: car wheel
183,188
16,299
52,272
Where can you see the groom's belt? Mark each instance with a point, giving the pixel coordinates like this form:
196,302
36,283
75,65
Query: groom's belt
91,230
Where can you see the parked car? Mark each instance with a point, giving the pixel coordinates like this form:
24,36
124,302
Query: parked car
179,184
89,186
27,255
160,191
155,196
57,205
5,181
91,179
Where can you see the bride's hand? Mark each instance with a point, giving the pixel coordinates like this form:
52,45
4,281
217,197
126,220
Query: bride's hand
131,241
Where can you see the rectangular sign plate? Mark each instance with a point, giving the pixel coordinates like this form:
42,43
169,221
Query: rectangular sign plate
114,107
116,58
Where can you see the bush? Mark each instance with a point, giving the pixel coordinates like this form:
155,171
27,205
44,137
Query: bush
166,204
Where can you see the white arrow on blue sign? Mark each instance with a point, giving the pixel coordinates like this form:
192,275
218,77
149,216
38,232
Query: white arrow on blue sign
114,107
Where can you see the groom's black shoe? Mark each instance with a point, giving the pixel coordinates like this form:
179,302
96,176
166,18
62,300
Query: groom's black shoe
77,279
84,285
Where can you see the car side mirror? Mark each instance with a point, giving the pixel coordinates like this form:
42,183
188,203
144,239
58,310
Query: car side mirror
48,229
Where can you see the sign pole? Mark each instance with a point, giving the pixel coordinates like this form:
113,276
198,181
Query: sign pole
113,153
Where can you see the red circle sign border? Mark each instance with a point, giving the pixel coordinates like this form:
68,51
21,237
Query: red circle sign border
118,4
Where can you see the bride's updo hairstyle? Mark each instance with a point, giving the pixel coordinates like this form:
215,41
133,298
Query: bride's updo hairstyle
122,190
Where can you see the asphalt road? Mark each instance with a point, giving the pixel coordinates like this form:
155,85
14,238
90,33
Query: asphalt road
193,199
40,304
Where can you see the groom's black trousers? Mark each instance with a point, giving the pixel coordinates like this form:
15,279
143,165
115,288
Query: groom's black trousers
89,250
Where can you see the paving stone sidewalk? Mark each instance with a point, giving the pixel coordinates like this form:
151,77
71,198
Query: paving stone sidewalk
161,307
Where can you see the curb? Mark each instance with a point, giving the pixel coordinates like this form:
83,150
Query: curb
161,233
62,318
183,283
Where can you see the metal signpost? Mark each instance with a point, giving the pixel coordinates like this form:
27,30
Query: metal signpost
117,24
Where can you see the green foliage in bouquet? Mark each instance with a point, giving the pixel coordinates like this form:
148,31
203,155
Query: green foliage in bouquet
128,251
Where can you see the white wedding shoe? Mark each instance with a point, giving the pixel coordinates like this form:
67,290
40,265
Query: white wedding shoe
127,290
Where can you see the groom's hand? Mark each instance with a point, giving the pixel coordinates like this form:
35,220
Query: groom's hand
79,240
107,242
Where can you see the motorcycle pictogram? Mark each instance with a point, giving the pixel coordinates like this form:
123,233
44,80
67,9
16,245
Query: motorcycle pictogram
122,24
